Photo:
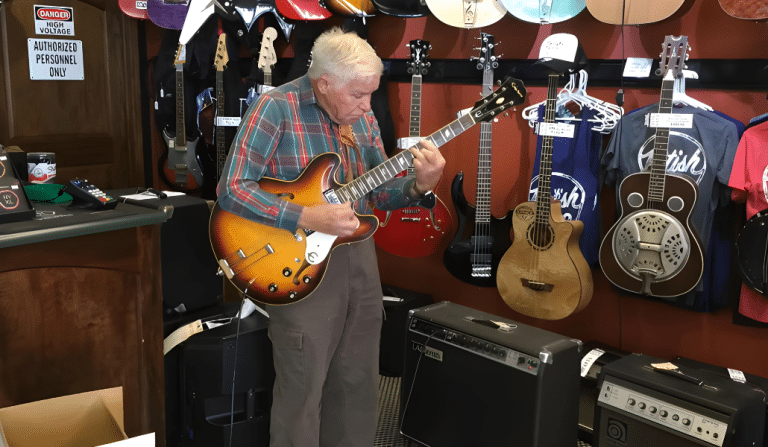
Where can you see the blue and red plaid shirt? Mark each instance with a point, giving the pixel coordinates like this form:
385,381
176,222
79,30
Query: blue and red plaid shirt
279,135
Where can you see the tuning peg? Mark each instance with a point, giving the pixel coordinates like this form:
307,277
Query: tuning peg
430,46
407,45
498,82
506,114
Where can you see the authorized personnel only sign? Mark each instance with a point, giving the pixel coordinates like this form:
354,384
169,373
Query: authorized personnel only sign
54,20
55,59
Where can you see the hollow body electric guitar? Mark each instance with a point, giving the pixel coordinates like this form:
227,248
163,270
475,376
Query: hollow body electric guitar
414,231
544,274
475,250
275,266
653,249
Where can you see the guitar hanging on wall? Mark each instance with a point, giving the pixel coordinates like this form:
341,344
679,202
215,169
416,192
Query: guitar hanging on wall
267,57
183,163
275,266
632,12
169,14
544,11
745,9
544,274
467,13
473,256
414,231
653,249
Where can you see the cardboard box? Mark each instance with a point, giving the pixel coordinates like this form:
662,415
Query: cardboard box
79,420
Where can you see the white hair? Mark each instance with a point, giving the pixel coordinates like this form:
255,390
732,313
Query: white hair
343,55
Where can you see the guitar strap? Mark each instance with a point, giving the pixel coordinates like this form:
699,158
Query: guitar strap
347,140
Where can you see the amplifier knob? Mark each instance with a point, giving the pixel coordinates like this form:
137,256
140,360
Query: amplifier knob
686,421
631,401
663,413
652,409
675,417
641,405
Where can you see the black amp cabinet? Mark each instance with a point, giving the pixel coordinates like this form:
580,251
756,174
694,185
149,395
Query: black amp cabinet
641,407
473,379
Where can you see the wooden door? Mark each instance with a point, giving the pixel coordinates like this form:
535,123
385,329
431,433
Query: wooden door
92,122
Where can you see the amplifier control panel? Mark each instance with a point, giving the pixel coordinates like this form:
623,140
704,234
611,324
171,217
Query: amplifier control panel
701,427
478,346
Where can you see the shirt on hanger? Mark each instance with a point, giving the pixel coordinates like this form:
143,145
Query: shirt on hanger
750,174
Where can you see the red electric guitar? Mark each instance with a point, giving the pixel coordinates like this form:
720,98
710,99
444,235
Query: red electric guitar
414,231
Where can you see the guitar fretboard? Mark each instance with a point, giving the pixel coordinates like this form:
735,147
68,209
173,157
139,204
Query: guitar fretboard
221,149
414,129
359,187
658,163
544,193
181,135
483,200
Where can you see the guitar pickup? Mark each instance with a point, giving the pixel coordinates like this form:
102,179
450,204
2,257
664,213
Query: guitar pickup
410,219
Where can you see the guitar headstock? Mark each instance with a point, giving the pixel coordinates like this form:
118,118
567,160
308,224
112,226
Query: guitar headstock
267,57
419,54
674,53
222,57
486,60
511,93
181,55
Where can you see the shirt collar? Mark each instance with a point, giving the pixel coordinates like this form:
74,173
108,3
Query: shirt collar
306,94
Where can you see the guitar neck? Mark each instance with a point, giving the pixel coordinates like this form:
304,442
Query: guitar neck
658,164
267,77
483,199
181,135
358,188
544,193
221,150
414,129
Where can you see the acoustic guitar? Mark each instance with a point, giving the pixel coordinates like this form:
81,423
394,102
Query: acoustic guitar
635,12
168,14
474,252
653,249
402,8
414,231
275,266
745,9
544,274
467,13
182,159
544,11
134,8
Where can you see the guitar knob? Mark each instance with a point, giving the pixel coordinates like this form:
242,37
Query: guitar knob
272,287
287,272
292,294
307,279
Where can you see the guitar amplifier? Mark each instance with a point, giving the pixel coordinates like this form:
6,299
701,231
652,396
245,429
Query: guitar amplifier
471,378
641,407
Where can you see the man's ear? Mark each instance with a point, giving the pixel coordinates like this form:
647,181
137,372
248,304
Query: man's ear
323,84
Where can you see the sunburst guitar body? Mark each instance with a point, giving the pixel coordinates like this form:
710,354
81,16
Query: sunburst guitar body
544,274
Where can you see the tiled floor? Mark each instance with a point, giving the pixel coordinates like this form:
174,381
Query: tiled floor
387,431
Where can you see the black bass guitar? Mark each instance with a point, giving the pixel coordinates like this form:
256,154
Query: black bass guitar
474,252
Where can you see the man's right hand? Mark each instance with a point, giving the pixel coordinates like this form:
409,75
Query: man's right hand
338,220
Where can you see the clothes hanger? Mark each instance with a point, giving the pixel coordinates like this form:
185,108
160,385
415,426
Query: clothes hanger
680,97
575,90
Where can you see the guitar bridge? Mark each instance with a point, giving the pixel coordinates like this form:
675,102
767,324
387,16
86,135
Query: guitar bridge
537,285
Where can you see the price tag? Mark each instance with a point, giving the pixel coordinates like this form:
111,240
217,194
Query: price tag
671,120
227,121
557,130
589,359
637,67
736,375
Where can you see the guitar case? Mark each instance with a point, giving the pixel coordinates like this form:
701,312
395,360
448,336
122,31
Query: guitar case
752,252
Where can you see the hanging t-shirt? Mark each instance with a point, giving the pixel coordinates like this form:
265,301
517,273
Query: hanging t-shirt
750,174
574,181
702,152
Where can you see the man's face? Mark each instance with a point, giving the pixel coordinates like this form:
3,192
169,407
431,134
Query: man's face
346,103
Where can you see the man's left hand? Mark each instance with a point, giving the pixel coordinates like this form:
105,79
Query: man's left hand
428,163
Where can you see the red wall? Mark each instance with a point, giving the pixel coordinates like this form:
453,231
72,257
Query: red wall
631,323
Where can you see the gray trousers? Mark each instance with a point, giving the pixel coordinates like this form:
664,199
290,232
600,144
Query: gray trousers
326,356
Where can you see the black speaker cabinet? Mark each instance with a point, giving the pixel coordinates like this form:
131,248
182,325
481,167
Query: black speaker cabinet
397,303
202,402
641,407
475,379
595,355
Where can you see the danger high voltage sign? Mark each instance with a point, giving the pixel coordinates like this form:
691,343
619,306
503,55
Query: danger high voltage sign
54,20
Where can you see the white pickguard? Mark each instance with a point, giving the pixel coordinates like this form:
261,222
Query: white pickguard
318,246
